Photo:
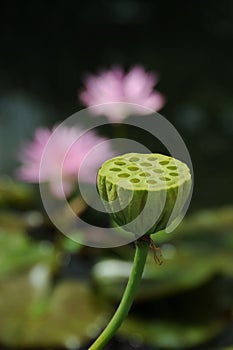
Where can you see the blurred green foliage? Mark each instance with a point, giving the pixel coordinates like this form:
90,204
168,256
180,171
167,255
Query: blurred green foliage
186,302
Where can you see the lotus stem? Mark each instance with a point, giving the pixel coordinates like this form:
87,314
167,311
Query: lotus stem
142,247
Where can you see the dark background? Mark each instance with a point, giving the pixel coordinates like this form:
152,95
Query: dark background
47,47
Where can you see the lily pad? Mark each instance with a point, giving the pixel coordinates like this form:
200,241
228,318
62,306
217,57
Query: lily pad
14,194
33,312
18,253
196,252
73,317
169,335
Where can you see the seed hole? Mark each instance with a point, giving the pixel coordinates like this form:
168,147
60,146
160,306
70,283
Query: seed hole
173,174
151,182
123,175
134,181
134,159
145,164
144,174
163,178
157,171
172,167
115,169
119,163
164,162
133,168
152,158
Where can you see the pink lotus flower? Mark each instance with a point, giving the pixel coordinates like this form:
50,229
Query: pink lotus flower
114,85
65,154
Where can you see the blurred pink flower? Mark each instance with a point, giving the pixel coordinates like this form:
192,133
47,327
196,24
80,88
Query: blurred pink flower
65,154
114,85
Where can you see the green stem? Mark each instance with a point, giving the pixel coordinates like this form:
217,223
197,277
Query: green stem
121,313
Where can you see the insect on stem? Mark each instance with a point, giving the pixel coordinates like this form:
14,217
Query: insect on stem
158,257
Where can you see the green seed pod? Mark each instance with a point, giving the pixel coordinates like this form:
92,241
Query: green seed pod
144,193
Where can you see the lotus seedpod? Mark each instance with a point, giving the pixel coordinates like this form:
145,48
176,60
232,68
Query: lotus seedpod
144,193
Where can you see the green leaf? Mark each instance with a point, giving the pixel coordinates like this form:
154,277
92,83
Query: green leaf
169,335
18,253
73,317
14,194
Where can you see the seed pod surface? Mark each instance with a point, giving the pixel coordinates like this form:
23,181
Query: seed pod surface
144,192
